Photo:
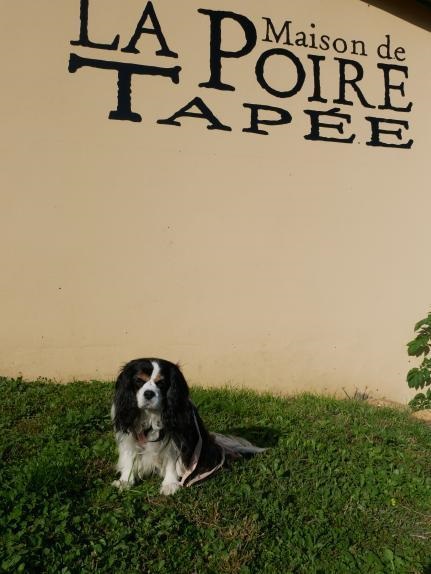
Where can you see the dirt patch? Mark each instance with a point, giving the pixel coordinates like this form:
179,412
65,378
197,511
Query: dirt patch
424,416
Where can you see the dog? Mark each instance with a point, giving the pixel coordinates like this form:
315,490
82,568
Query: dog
159,430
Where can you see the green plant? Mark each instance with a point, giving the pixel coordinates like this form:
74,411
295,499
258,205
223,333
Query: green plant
420,377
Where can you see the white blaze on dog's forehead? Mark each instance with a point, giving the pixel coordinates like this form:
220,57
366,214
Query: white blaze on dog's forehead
155,375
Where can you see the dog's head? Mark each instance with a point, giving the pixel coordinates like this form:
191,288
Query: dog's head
154,385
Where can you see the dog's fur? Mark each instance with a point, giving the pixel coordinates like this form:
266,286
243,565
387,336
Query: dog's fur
159,430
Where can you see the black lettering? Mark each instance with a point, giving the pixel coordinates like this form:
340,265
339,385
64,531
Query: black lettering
324,42
300,72
124,73
316,126
150,13
216,51
204,113
313,38
285,29
387,68
284,117
376,132
384,50
352,82
83,32
301,39
317,96
361,43
343,43
399,50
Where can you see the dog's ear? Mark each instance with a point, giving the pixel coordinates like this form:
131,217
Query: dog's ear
177,414
177,396
125,403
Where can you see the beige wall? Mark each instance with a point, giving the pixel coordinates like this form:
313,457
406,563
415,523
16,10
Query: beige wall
267,261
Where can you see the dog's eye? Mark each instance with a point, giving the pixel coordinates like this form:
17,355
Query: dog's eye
138,383
160,382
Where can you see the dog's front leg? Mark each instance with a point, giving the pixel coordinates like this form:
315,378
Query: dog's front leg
126,461
170,482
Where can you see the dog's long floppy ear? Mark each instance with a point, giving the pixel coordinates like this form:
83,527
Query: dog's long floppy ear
125,403
177,396
177,414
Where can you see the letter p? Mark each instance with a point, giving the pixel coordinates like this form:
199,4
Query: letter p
216,51
284,117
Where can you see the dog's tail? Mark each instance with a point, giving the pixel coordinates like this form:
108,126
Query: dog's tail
235,446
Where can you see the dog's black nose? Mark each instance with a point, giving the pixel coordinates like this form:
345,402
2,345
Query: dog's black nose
149,394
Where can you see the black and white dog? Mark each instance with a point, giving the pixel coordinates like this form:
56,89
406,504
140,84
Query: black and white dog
159,430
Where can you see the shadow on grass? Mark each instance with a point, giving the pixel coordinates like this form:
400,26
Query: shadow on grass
259,436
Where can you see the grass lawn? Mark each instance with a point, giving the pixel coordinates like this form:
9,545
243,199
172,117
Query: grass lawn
344,488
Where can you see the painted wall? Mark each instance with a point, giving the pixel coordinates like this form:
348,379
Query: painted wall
272,261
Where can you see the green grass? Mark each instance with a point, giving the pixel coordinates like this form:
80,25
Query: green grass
344,488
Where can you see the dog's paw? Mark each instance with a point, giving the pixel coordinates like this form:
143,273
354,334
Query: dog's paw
122,484
169,488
